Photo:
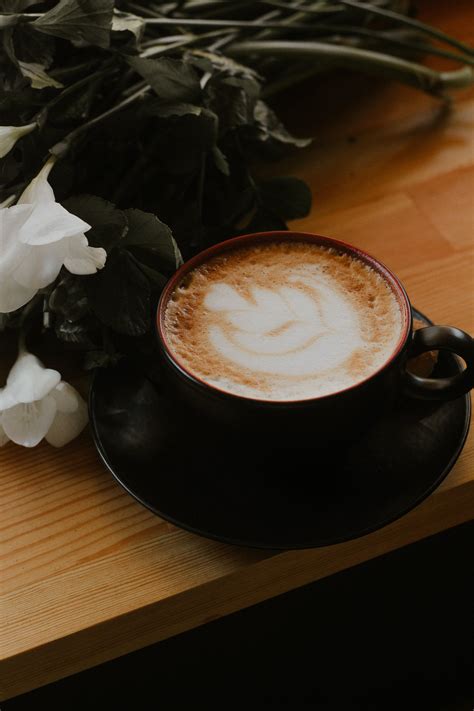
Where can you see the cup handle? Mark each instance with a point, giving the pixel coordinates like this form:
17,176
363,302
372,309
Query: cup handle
433,338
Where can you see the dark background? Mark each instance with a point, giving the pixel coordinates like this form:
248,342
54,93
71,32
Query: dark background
392,633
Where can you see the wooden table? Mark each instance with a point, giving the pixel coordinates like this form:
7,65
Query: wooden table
88,574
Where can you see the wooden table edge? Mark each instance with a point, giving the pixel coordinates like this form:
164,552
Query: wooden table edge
255,583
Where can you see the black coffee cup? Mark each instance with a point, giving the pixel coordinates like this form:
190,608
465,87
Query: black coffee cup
341,414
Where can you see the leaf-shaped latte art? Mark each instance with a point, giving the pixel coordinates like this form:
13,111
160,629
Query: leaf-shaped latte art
297,330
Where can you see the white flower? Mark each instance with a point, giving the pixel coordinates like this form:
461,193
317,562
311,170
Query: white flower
37,237
37,404
9,135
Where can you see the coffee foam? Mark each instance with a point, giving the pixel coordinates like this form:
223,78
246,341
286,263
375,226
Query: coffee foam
283,321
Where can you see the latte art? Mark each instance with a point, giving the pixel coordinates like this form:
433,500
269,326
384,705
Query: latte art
291,331
282,321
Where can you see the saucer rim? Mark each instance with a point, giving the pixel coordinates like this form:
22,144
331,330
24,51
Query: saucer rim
265,545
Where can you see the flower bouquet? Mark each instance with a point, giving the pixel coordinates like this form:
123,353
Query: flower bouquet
129,136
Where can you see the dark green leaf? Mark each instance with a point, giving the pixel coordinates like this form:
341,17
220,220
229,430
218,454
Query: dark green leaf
75,107
100,359
171,79
69,299
289,198
120,295
30,46
156,279
34,71
248,84
109,225
220,160
264,221
271,128
37,75
181,143
74,332
146,231
213,62
87,21
199,133
231,103
126,22
229,204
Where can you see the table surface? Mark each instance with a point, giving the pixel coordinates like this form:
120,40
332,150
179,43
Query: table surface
87,573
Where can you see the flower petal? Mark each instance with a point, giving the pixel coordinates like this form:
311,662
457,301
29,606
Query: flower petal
8,201
82,259
3,437
12,250
67,424
39,190
27,382
67,398
9,135
50,222
42,265
13,295
28,423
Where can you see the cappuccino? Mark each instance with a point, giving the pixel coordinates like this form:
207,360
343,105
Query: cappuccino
282,321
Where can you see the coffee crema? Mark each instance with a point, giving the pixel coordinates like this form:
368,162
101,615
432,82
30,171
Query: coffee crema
282,321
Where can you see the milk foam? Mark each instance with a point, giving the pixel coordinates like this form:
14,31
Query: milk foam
283,321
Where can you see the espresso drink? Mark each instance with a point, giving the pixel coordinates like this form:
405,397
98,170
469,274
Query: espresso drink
282,321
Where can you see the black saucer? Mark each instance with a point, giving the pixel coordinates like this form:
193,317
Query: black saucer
284,498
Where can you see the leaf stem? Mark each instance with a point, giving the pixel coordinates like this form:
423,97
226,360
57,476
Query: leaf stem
234,24
371,62
21,342
135,7
159,48
403,19
386,37
322,9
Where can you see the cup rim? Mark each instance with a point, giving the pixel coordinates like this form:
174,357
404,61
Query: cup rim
280,236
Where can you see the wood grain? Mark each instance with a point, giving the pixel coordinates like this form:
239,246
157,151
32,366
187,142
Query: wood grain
87,573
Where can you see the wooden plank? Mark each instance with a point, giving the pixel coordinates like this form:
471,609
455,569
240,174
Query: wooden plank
392,227
448,202
173,608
